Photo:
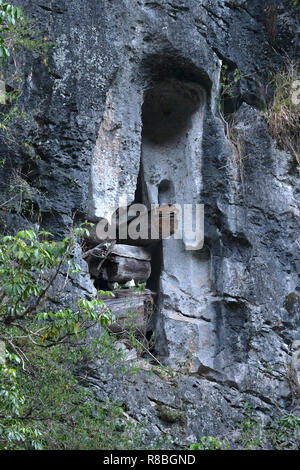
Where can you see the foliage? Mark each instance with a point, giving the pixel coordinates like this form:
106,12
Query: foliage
283,114
133,336
280,433
285,432
139,287
29,267
250,430
58,413
33,271
230,80
209,443
9,15
227,84
11,117
17,32
14,433
21,197
65,413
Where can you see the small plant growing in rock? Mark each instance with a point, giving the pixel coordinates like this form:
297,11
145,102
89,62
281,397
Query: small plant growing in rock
169,414
250,429
229,94
227,84
209,443
117,286
9,15
139,287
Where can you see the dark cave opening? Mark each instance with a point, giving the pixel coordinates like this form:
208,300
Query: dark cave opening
167,109
166,192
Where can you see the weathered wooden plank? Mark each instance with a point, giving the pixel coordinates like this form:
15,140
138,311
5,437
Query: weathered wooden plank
100,251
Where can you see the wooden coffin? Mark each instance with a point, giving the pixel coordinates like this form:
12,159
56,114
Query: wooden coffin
132,310
119,269
119,263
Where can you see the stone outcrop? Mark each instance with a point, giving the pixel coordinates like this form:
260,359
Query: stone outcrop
130,106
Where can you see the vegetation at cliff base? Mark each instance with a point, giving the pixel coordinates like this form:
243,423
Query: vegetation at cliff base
42,405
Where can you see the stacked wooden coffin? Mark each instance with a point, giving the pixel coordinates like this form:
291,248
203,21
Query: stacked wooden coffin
122,265
114,262
131,309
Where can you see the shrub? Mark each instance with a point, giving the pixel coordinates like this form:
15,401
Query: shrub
209,443
31,267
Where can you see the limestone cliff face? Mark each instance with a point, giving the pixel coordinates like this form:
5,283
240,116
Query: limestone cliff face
228,315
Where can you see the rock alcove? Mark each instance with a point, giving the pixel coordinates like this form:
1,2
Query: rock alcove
169,162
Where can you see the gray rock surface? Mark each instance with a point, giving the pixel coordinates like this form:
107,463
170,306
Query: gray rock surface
227,315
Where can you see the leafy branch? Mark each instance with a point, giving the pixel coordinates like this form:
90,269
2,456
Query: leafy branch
9,15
